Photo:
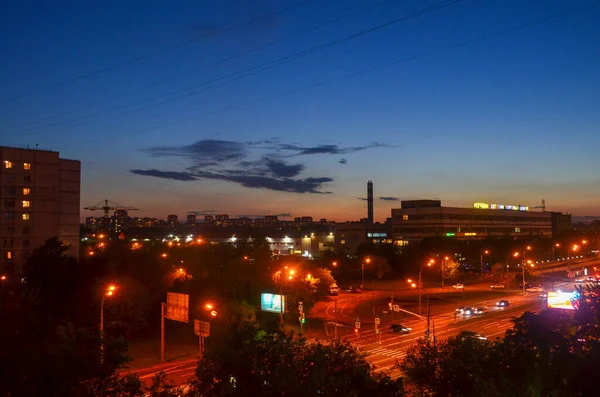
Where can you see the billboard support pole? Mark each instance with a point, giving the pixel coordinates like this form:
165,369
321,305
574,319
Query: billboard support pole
162,332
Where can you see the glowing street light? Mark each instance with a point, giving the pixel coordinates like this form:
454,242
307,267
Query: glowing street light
110,290
164,255
362,271
484,252
334,264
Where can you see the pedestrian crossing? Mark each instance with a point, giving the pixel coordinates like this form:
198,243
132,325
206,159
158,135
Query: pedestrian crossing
383,351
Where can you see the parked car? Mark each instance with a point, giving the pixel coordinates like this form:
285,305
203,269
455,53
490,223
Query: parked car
333,290
527,285
502,303
471,335
478,311
458,286
401,328
497,286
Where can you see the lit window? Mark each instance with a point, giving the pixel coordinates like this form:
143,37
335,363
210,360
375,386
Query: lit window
7,164
404,217
26,191
26,166
25,217
26,203
9,255
517,230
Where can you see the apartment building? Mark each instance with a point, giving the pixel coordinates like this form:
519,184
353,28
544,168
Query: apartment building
39,199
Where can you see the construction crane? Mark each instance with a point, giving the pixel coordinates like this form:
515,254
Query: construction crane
107,205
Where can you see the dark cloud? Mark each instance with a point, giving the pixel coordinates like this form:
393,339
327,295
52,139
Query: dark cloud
178,176
206,151
325,149
281,169
343,161
388,198
306,185
253,164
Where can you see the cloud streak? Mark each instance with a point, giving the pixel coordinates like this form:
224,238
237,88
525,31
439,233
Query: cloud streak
265,164
388,198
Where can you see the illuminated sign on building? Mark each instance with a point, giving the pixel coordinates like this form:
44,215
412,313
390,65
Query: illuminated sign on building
510,207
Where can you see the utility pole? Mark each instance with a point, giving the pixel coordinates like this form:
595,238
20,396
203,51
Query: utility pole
102,329
162,332
335,319
428,319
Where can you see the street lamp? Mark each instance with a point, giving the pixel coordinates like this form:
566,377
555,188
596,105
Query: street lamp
481,259
110,290
428,264
279,276
362,273
444,259
554,246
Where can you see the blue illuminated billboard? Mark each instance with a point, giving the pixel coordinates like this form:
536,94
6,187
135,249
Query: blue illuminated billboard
272,303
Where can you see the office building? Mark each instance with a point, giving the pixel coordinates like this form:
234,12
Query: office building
39,199
419,219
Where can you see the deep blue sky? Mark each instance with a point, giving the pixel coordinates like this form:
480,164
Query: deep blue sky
511,118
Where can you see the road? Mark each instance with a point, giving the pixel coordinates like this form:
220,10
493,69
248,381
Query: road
385,349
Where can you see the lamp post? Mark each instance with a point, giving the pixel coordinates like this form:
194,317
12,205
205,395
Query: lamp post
279,276
516,254
444,259
431,261
554,246
362,272
108,292
481,259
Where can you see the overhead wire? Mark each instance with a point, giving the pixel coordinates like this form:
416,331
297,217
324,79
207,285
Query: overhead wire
192,71
236,76
155,53
351,75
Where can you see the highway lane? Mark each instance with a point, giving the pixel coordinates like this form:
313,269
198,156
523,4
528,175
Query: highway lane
383,352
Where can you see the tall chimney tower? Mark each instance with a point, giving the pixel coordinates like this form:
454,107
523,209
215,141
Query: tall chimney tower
370,202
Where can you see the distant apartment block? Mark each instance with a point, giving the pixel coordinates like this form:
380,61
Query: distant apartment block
39,199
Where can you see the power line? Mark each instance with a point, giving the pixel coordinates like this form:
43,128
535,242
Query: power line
195,70
249,71
155,53
355,74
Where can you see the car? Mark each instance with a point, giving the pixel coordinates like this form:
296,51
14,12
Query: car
465,311
527,285
333,290
353,290
534,289
478,311
400,328
502,303
471,335
458,286
497,286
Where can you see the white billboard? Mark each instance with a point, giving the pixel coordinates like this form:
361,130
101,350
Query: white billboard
561,300
178,307
272,303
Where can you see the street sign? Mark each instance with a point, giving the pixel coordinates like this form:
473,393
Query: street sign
396,308
178,307
357,325
377,320
202,328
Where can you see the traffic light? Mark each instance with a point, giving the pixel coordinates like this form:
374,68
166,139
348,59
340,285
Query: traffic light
303,319
356,330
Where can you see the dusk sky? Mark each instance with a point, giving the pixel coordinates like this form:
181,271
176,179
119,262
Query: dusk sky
255,107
